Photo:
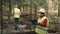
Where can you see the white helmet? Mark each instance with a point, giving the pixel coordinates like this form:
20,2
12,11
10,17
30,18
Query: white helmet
42,10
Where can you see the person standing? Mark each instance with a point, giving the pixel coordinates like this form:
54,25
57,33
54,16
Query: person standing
16,16
43,22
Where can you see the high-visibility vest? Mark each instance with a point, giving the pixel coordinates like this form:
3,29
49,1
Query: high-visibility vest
41,29
41,20
16,13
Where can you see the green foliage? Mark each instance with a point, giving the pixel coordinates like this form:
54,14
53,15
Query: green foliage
43,4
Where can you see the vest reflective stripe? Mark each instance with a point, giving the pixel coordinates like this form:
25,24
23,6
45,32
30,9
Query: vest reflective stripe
42,28
40,31
41,19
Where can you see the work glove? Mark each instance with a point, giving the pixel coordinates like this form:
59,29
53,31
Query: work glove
35,22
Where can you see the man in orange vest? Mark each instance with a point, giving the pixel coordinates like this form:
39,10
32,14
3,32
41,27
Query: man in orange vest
43,22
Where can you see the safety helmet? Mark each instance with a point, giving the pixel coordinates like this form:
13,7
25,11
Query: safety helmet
42,10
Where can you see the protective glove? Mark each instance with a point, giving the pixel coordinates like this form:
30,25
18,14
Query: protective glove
35,22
